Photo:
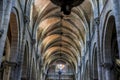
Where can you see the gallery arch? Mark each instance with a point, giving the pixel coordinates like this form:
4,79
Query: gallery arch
25,65
61,69
10,50
110,48
95,64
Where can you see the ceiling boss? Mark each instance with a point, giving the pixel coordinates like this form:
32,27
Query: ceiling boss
67,5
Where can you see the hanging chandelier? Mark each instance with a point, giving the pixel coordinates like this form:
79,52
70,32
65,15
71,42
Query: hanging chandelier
67,5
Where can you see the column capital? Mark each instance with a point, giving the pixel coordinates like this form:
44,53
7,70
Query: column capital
107,65
97,21
26,19
1,32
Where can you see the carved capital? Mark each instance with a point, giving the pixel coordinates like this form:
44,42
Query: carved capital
107,65
26,19
97,21
8,63
33,41
1,32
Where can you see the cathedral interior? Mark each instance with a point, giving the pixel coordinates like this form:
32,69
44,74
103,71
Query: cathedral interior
59,39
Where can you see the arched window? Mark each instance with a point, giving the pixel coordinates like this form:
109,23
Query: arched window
60,67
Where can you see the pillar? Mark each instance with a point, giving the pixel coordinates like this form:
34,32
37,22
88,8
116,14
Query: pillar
4,23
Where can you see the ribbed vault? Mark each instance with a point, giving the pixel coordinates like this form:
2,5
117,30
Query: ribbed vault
61,36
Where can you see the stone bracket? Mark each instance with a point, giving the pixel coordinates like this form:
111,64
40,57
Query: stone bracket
107,65
97,20
8,64
1,32
26,19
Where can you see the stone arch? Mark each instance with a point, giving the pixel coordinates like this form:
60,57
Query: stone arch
104,1
94,63
94,7
12,39
110,54
67,69
13,33
33,71
25,65
86,76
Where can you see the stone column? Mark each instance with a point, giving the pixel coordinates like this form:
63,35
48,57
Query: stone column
6,10
21,53
1,13
79,71
97,22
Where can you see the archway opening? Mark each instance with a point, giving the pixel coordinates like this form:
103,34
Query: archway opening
25,64
86,71
9,57
33,72
111,52
60,70
95,65
115,54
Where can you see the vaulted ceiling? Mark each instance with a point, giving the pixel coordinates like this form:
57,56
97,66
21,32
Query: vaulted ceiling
61,36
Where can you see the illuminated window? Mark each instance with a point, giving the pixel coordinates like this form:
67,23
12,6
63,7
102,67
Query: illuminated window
60,67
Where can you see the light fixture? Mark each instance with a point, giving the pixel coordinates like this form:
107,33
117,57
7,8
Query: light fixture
67,5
